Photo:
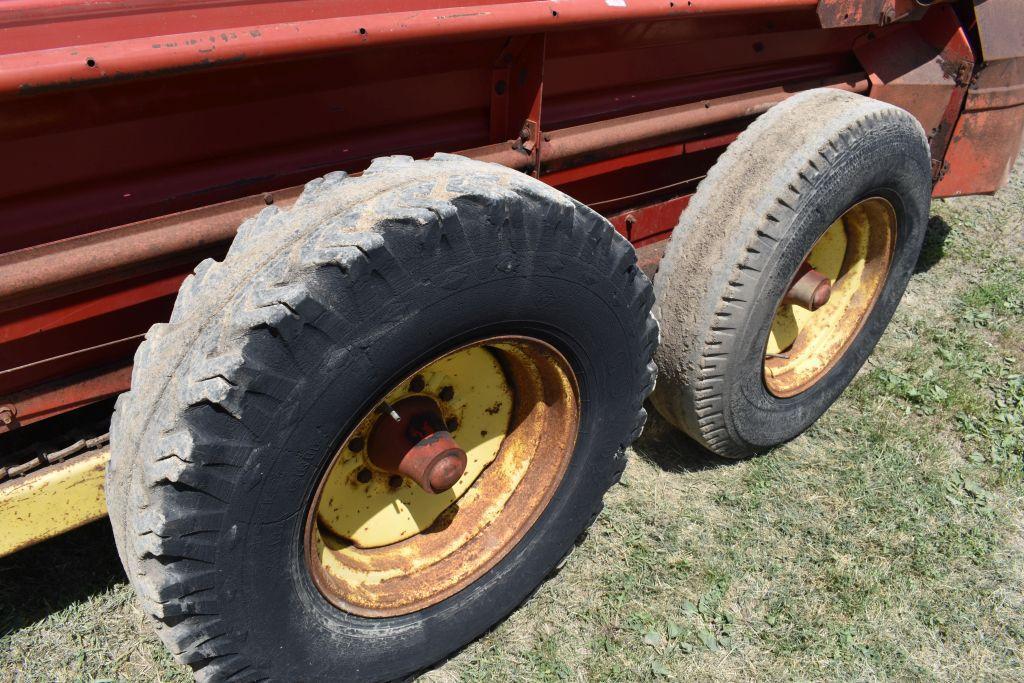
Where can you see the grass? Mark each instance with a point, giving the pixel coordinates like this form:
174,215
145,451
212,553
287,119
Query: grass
886,543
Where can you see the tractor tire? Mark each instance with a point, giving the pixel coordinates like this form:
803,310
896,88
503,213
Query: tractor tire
741,368
243,407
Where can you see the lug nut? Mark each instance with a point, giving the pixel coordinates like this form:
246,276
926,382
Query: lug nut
364,476
417,384
447,393
356,444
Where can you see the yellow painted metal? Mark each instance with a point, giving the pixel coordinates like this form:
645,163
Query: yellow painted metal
854,254
373,514
53,500
518,387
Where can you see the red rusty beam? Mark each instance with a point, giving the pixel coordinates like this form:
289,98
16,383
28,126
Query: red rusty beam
649,224
56,397
55,269
610,138
59,268
157,55
592,142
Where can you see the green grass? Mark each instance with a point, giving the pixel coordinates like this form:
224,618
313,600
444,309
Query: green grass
886,543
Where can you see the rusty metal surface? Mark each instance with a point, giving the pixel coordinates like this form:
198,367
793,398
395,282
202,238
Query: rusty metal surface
649,257
617,137
997,85
839,13
52,457
923,67
56,269
53,499
142,148
48,271
162,143
413,441
810,289
854,255
1000,29
990,132
982,152
239,37
481,526
75,391
653,223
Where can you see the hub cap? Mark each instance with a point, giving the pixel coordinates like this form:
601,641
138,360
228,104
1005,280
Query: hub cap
443,476
830,297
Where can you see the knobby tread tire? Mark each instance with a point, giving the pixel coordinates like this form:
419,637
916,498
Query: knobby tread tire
205,392
726,250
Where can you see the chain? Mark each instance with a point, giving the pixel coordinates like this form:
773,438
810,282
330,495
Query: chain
54,457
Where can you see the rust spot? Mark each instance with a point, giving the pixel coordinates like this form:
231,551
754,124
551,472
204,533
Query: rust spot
104,77
471,535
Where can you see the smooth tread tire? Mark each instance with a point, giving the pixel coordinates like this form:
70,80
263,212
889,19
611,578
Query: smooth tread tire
238,402
749,226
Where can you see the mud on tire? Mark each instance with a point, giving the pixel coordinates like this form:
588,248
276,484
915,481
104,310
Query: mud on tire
753,220
237,403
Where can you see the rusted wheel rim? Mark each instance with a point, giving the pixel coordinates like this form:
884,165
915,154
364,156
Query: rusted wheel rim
378,543
830,297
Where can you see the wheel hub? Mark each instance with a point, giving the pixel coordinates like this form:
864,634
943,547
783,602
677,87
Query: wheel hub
810,289
443,476
830,297
413,441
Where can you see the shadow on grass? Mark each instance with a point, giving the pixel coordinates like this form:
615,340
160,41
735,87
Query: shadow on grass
934,247
666,447
46,578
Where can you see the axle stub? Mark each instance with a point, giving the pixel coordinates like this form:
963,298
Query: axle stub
418,446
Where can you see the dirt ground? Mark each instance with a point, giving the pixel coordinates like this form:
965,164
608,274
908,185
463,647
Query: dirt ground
886,543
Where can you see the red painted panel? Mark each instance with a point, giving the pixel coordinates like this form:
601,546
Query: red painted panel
166,127
984,146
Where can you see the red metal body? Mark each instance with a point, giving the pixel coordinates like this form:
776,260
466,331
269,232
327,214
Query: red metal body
135,136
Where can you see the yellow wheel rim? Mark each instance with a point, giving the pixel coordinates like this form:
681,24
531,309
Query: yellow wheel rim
854,253
379,545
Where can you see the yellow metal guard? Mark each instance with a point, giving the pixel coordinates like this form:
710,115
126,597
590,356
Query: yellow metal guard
53,500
